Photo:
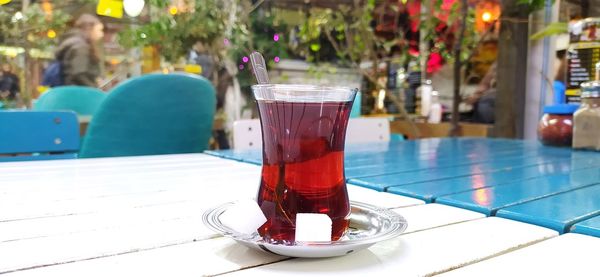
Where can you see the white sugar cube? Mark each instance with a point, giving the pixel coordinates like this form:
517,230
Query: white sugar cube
244,217
313,227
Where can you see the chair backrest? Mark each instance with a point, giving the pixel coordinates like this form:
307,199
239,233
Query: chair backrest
82,100
368,129
153,114
38,135
247,133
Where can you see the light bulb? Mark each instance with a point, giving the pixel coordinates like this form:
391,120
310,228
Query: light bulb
18,16
486,17
133,8
173,10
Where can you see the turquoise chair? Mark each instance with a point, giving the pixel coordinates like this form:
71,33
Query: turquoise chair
153,114
82,100
35,135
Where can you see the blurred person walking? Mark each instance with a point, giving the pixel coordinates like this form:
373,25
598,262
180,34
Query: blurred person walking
199,55
77,53
484,98
9,83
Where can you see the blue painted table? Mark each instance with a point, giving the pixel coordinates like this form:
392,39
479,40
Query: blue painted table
558,212
517,179
588,227
489,200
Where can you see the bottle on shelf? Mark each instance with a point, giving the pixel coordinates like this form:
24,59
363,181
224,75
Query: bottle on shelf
435,110
586,120
425,95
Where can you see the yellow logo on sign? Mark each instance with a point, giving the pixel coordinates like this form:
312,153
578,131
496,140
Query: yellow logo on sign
111,8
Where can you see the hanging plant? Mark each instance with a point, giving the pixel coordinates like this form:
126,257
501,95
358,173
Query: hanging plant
174,32
34,27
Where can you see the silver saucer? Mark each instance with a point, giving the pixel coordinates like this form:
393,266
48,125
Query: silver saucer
368,225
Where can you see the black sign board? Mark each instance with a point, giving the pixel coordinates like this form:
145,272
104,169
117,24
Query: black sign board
582,67
583,55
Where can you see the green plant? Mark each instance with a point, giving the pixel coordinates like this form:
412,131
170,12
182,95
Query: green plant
532,5
349,31
208,21
554,28
174,35
31,28
34,30
263,25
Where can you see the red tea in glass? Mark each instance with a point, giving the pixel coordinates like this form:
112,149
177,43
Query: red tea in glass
303,129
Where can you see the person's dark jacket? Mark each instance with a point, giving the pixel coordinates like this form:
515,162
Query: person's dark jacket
79,64
9,82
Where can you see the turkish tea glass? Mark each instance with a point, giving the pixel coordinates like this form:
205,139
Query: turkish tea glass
303,134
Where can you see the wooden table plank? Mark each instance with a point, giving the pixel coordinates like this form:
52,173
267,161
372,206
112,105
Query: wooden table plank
221,255
175,212
374,159
119,192
116,230
588,227
418,254
381,199
432,148
110,240
560,211
384,182
141,215
491,199
201,258
406,165
116,206
429,216
66,211
430,191
566,255
446,151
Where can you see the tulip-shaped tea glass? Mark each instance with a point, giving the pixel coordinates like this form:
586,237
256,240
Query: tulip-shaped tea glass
303,133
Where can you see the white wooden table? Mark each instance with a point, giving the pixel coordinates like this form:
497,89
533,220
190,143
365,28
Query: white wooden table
566,255
142,216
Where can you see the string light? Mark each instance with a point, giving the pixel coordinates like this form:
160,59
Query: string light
18,16
133,8
51,33
47,7
173,10
486,16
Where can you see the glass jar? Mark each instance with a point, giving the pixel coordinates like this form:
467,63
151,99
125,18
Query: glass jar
586,131
556,125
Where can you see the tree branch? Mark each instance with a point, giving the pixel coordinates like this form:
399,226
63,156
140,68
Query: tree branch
455,130
372,53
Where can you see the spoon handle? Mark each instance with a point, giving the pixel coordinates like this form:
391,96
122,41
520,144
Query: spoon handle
259,67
